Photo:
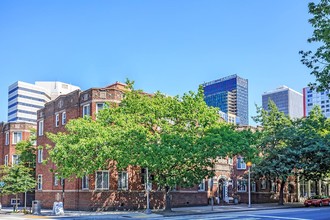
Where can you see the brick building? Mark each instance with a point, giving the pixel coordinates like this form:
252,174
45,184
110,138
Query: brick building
231,181
106,189
10,134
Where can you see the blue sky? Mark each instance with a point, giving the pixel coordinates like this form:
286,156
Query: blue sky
166,45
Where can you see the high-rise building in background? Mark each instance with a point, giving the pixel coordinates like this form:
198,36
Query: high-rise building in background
287,100
230,94
25,99
312,98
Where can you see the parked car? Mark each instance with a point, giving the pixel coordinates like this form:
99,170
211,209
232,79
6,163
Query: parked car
317,201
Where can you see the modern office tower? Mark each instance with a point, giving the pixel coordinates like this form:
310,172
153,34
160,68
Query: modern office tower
287,100
312,98
25,99
230,94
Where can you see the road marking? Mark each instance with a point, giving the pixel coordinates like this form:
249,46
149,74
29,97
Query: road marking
278,217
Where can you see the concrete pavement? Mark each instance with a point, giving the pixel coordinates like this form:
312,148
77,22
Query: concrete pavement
182,211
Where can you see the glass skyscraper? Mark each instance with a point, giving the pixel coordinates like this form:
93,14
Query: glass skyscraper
230,94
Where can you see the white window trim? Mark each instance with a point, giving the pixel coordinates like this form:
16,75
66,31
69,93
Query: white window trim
253,186
89,107
6,160
103,171
97,106
243,165
40,155
230,160
57,120
7,138
39,182
201,186
41,128
17,132
120,181
13,201
263,184
245,186
85,186
56,179
63,118
13,161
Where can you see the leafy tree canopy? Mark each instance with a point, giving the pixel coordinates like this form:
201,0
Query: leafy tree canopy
17,179
319,60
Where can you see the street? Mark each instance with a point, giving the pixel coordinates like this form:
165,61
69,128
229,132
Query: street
311,213
289,214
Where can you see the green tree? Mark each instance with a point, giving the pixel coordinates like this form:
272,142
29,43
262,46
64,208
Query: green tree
319,60
313,140
17,179
26,150
279,154
176,138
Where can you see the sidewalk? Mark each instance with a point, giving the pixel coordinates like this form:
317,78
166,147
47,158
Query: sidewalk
47,213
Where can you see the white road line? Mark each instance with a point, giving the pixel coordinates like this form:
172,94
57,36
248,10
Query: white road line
278,217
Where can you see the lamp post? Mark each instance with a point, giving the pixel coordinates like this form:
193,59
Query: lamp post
249,164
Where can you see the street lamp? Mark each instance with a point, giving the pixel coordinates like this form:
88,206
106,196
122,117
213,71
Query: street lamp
249,164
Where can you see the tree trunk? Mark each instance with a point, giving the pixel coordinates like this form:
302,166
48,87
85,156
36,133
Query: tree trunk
168,199
16,205
281,199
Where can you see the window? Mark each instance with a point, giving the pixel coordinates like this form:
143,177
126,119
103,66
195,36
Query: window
99,106
102,180
263,184
253,187
63,118
39,182
274,187
230,161
210,184
41,128
201,186
55,179
14,201
57,120
14,160
86,110
85,182
241,185
6,160
7,138
40,152
122,180
240,163
17,137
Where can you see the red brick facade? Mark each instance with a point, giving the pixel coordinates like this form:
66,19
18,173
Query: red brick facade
229,175
75,104
10,134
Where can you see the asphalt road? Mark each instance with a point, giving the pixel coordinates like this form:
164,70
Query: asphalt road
312,213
